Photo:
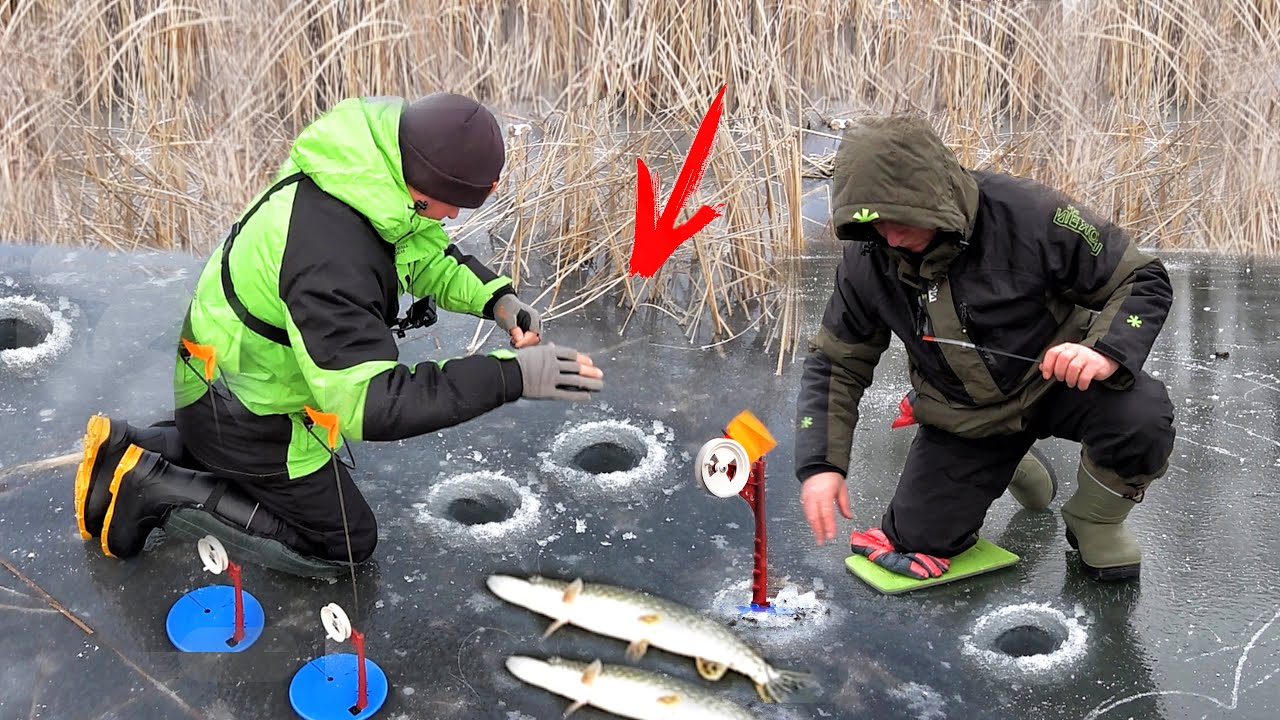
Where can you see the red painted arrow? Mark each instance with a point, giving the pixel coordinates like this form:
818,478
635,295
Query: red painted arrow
658,237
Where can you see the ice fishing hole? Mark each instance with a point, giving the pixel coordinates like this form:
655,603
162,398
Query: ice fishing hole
20,332
31,335
476,500
606,457
1028,637
1028,640
483,508
612,454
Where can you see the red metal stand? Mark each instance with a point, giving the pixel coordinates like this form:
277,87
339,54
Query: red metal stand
234,571
362,687
753,493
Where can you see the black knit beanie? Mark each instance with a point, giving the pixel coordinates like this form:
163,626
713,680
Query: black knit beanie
451,149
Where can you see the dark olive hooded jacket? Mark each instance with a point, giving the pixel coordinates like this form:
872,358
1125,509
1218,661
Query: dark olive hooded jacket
1015,266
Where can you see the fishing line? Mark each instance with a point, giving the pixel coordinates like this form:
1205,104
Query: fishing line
979,348
346,531
329,421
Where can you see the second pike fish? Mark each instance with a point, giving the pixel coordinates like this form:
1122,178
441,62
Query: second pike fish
643,621
624,691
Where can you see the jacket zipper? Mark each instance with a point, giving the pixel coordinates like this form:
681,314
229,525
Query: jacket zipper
924,326
987,359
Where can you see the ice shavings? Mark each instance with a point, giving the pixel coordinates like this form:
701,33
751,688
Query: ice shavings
434,515
979,643
649,452
800,613
923,701
25,361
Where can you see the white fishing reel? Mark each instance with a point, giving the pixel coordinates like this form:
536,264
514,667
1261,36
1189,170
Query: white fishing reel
723,467
336,623
212,554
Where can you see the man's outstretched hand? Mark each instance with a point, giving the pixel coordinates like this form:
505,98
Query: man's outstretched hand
818,494
1077,365
558,373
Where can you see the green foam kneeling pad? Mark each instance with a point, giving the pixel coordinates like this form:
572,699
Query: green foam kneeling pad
981,558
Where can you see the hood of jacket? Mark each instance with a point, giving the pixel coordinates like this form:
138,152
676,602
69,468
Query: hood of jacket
896,168
352,152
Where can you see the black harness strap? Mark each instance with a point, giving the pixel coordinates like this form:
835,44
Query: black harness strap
253,322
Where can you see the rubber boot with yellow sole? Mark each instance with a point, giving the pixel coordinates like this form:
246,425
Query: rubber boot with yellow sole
148,492
105,441
1034,483
1095,517
145,488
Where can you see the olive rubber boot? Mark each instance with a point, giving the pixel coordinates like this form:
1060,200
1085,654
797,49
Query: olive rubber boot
105,441
1095,517
1034,483
145,488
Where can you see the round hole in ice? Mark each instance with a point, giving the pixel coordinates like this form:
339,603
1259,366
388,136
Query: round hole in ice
484,507
1027,640
1030,638
606,457
31,334
610,454
16,332
476,509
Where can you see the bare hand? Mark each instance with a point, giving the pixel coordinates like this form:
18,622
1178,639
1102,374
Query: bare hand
587,369
1077,365
817,494
520,338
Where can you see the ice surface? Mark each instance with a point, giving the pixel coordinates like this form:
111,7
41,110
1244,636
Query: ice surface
1197,637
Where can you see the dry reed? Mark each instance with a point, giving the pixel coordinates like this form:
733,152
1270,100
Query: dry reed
127,123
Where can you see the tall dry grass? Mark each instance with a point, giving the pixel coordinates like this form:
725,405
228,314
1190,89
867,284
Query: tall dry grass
130,123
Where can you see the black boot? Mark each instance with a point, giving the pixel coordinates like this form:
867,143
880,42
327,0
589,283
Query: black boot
146,488
105,441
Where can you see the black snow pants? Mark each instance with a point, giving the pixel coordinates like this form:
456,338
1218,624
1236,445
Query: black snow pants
250,452
949,482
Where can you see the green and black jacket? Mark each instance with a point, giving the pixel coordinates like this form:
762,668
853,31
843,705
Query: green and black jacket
315,274
1016,266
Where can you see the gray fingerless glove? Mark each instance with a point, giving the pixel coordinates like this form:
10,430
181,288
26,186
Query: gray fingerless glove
551,373
510,311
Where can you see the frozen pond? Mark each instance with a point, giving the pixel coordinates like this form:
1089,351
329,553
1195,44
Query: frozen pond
1199,637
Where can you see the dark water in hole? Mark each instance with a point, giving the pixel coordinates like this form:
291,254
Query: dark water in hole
15,333
605,457
480,510
1026,640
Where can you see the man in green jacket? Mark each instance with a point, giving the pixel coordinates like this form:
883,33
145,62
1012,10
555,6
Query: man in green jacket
1003,263
287,349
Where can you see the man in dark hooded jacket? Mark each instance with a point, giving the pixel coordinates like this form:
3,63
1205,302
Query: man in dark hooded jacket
288,350
1004,263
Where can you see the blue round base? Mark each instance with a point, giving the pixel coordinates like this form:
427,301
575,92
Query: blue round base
768,610
325,688
204,620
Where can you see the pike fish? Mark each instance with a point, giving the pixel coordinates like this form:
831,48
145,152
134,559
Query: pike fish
643,620
624,691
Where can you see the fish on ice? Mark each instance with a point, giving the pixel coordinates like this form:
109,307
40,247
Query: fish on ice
625,691
643,620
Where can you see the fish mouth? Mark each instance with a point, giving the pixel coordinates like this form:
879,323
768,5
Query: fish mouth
507,587
524,667
554,675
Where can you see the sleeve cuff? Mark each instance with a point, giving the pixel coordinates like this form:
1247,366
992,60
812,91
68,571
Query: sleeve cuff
488,307
807,471
512,380
1122,378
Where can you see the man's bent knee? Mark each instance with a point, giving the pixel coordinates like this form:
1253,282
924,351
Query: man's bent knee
1138,438
922,539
